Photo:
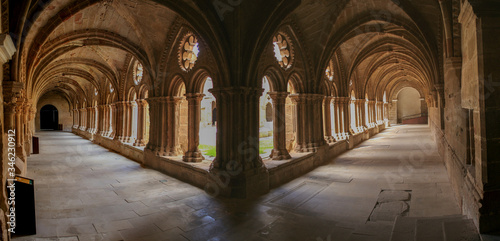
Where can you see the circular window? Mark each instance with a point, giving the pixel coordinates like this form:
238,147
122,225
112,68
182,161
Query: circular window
189,52
282,51
138,72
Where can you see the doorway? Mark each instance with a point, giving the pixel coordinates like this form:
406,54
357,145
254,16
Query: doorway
49,118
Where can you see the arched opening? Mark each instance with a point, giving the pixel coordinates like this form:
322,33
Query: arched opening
352,110
265,121
49,118
409,108
182,119
208,122
332,118
135,117
290,119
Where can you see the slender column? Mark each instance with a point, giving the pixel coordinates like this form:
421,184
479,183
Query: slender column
127,121
141,122
335,103
279,126
154,131
173,107
88,119
327,119
193,154
346,116
309,122
164,126
118,117
18,116
112,133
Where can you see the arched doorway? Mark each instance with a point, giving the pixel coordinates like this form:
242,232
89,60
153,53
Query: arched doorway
49,118
409,107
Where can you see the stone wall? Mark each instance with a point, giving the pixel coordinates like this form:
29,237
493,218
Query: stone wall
63,110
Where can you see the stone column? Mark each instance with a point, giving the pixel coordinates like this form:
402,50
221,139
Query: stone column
193,154
75,118
112,133
89,119
11,91
155,132
238,170
309,122
118,117
101,120
327,121
279,126
173,109
336,128
141,122
346,126
19,128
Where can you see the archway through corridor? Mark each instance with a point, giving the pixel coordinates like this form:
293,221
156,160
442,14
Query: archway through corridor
208,122
266,120
49,118
410,107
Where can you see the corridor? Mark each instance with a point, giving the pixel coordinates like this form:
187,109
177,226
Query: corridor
85,192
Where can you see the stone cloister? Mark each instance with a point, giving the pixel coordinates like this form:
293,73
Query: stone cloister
149,78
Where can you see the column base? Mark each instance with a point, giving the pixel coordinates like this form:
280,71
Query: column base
193,156
251,183
277,154
174,151
139,142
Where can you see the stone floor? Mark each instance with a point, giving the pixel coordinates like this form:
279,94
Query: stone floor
86,192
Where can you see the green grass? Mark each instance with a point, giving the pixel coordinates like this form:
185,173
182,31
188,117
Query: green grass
207,150
265,145
210,150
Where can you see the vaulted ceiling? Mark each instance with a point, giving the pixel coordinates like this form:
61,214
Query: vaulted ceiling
74,47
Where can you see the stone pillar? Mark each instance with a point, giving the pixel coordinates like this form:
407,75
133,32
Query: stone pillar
327,121
11,91
112,133
101,120
173,109
155,132
279,126
19,125
75,118
118,116
336,127
141,122
88,119
238,170
309,122
344,117
193,154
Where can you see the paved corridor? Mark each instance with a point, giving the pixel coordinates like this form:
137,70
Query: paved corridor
86,192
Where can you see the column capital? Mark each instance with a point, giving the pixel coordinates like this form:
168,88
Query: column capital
194,96
328,98
278,95
174,99
300,97
221,92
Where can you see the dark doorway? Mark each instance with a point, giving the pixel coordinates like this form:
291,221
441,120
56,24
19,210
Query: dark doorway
49,118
